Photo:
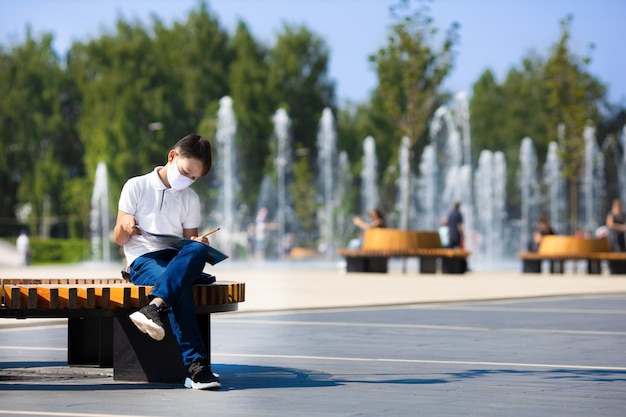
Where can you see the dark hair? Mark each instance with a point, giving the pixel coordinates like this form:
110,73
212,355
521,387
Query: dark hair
197,147
378,213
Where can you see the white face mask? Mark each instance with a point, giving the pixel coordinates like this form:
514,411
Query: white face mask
177,180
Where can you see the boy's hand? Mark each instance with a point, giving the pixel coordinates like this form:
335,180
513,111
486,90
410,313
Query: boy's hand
129,224
201,239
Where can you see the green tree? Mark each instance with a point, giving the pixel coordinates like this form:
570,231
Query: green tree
573,99
533,101
141,92
39,150
298,74
303,196
115,79
254,105
504,114
410,72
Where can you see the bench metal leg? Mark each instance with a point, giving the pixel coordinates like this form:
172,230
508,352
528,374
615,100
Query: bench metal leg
428,265
531,266
453,265
377,264
355,264
557,267
594,267
90,341
366,264
617,267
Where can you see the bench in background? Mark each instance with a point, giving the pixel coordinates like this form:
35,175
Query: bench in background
380,244
99,330
557,249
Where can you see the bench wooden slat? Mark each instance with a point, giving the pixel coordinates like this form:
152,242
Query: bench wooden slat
64,281
441,252
609,256
33,294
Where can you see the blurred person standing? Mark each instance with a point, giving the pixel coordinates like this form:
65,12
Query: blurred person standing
616,225
23,248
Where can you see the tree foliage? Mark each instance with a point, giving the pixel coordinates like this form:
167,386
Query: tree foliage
40,149
299,77
254,105
573,100
411,70
126,96
533,101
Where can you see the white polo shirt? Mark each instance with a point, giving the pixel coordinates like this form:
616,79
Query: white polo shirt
158,209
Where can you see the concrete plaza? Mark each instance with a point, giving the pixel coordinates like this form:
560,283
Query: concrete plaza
311,340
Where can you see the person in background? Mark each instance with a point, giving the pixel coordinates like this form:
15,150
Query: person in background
543,229
616,225
456,233
162,202
377,219
23,248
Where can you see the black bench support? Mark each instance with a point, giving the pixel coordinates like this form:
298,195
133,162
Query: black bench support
428,265
594,267
90,341
453,265
138,357
617,267
366,264
531,266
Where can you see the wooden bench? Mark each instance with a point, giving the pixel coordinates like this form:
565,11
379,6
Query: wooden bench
557,249
380,244
99,330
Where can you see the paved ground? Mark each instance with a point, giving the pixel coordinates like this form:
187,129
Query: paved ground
312,341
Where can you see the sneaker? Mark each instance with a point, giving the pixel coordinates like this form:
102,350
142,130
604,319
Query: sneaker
149,320
200,376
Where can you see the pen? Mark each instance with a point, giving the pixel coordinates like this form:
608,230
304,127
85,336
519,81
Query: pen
210,233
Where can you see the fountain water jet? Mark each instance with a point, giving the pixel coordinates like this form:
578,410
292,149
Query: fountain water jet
529,187
407,186
225,136
344,186
100,227
281,129
490,184
428,189
327,150
593,181
369,177
555,185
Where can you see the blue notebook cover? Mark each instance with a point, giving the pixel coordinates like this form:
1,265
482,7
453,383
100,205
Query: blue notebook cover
177,242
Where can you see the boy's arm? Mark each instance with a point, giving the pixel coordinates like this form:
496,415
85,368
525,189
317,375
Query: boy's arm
124,228
193,235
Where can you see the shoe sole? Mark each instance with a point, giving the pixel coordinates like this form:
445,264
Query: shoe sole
201,385
147,326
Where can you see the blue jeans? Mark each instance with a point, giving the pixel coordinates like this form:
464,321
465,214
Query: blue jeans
171,274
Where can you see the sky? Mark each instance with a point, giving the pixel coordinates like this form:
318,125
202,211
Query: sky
494,34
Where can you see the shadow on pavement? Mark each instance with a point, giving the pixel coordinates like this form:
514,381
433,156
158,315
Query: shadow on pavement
586,375
242,377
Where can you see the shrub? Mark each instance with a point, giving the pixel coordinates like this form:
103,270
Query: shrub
51,251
